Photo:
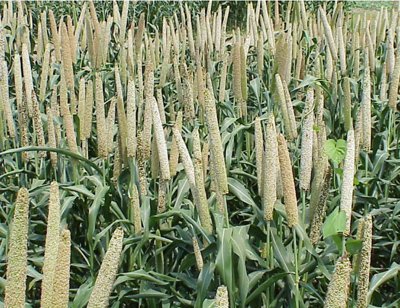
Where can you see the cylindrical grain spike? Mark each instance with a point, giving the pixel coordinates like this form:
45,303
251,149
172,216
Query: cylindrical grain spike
188,94
358,134
55,36
259,148
51,135
366,111
359,237
51,246
306,142
18,80
14,296
394,83
365,264
23,126
87,123
122,126
339,285
38,124
45,73
197,253
202,207
108,272
148,116
328,33
160,140
290,111
260,57
110,122
383,85
236,71
320,209
216,142
61,275
346,199
390,57
131,119
100,118
28,81
347,105
289,190
162,190
5,99
282,102
141,164
185,158
221,298
342,51
66,59
243,80
270,169
174,153
117,161
81,108
135,208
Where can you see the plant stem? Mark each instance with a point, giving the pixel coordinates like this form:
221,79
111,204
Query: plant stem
296,268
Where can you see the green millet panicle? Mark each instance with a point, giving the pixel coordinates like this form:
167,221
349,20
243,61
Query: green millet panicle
365,264
259,148
320,210
338,288
17,253
135,208
51,246
270,169
216,142
161,143
61,275
203,210
359,237
197,253
108,272
346,199
289,190
174,152
307,142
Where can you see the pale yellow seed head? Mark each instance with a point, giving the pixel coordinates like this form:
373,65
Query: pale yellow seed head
365,264
221,298
14,296
338,288
289,190
108,272
61,276
197,254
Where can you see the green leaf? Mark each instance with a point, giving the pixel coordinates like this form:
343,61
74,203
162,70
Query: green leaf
208,303
224,260
203,283
334,223
353,246
335,150
139,275
239,239
240,191
379,279
264,286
